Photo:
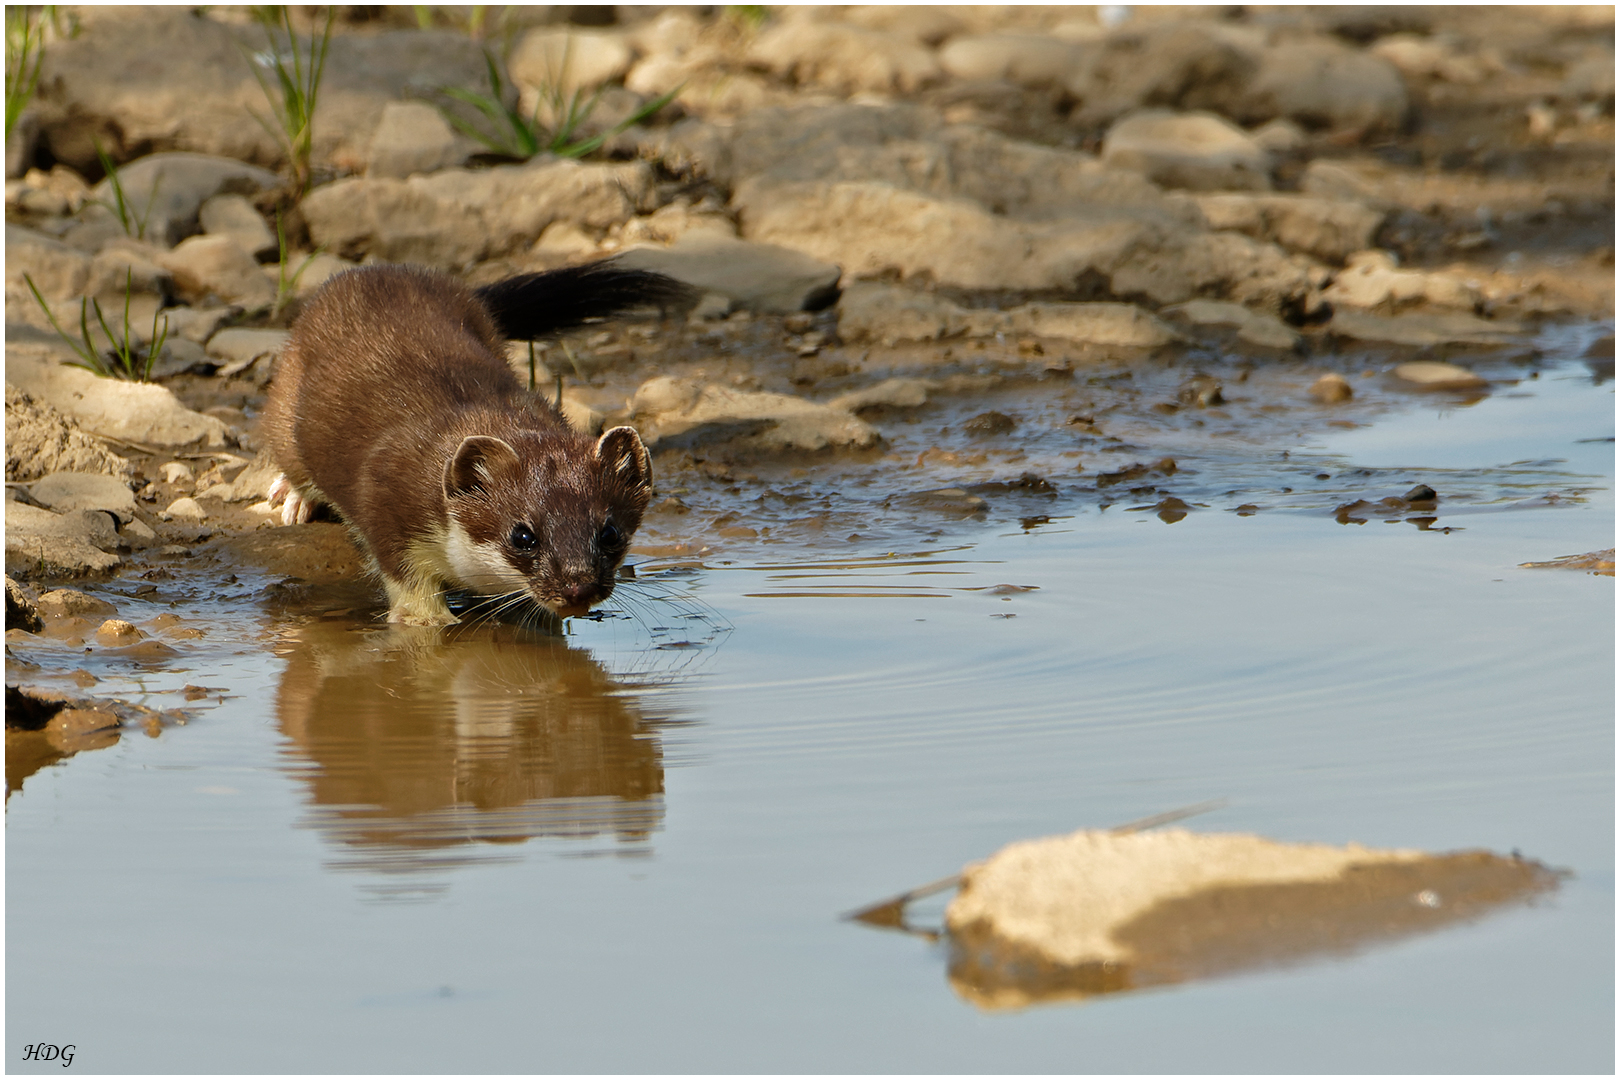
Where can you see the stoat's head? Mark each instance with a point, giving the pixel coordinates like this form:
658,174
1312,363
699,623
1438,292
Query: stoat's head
550,517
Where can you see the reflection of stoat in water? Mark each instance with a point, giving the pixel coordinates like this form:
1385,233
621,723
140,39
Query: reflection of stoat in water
393,403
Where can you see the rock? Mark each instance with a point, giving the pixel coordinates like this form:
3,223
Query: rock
929,25
1426,57
310,272
21,612
874,311
989,423
1600,563
239,347
890,314
178,472
254,481
57,270
137,412
1199,151
842,58
66,603
872,229
39,441
65,491
1331,389
217,266
184,509
1323,84
1095,911
456,216
39,542
203,95
906,146
166,192
755,276
413,137
1180,65
118,632
1279,136
1371,279
890,393
1327,229
234,217
1434,375
123,266
1591,79
1254,327
671,412
1095,323
197,324
563,60
956,502
1331,180
1025,59
1421,328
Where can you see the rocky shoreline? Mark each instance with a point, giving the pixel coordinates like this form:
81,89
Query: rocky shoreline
954,262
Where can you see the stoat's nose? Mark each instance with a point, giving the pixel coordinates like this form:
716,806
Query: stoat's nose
577,599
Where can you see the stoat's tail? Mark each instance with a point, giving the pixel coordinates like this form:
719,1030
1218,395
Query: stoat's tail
530,305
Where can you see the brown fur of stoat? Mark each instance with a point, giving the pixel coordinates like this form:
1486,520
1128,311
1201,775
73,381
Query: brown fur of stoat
393,403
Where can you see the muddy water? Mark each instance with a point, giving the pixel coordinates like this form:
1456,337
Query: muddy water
627,849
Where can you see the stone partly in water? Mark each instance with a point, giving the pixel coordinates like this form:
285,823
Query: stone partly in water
1435,375
1331,389
1096,912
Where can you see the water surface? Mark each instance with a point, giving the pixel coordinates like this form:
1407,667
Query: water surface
627,850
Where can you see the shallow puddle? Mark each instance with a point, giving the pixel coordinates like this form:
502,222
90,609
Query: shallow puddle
627,850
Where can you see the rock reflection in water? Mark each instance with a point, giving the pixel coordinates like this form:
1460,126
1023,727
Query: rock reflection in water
415,745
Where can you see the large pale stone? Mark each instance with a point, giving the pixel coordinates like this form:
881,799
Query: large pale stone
412,137
138,412
564,60
206,266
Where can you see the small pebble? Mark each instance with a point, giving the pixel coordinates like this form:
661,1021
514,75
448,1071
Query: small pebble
1331,389
184,509
118,630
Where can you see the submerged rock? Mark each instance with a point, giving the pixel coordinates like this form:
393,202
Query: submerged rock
1434,375
1421,328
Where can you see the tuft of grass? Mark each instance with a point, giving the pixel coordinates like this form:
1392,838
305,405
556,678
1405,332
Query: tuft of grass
125,360
511,134
298,85
749,16
25,54
120,206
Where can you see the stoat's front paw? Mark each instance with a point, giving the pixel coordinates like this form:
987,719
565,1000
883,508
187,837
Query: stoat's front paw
294,510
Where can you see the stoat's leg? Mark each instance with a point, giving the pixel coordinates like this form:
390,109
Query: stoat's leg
417,603
295,510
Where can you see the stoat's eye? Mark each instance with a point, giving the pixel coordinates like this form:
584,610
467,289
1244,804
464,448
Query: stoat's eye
523,538
610,537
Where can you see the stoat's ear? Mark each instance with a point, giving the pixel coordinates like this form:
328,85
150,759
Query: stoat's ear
476,463
624,458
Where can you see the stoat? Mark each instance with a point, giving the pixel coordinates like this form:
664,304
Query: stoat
393,403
